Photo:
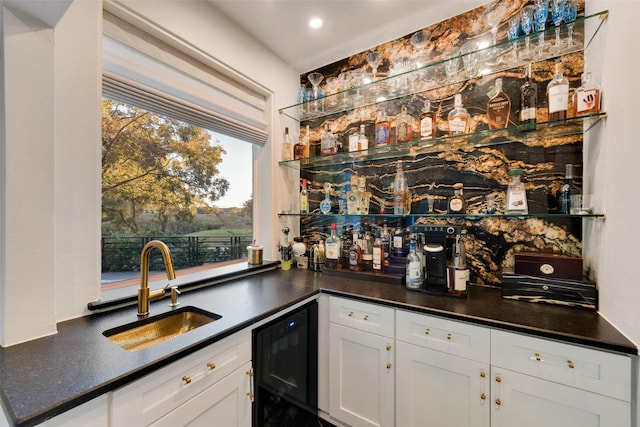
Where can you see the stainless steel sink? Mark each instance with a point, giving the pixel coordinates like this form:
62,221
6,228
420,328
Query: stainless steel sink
147,332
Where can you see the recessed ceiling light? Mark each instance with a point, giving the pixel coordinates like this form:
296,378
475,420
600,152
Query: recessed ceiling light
315,23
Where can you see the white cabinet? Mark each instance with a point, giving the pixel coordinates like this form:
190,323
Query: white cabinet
361,363
94,413
541,382
213,382
435,385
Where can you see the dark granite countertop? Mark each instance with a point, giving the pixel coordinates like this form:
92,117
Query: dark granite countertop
47,376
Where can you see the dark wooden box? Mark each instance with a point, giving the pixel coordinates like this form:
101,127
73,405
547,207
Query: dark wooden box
563,292
555,266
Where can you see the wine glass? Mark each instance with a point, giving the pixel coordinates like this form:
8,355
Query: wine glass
469,58
526,21
513,33
452,64
557,16
419,40
374,61
492,16
570,15
541,14
315,78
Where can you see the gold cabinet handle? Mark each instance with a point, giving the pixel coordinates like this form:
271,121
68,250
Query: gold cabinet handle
211,365
389,365
427,331
483,396
186,379
388,347
366,317
449,336
570,364
250,392
350,314
538,357
498,402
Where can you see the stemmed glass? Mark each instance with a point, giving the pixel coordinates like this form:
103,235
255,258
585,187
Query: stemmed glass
570,15
513,33
557,15
526,20
542,13
469,58
374,61
315,78
492,16
419,40
452,64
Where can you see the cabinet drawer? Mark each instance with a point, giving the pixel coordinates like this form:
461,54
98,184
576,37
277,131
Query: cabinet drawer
367,317
448,336
156,394
588,369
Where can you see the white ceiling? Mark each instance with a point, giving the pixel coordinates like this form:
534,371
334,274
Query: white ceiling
350,26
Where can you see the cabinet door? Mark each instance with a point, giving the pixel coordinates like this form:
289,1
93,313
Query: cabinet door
440,389
361,377
519,400
226,403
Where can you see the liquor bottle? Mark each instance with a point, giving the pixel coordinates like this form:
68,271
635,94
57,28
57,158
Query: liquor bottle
285,250
383,129
367,249
427,121
328,143
458,271
568,189
325,205
457,204
378,255
286,145
352,139
399,191
498,108
332,249
304,197
414,268
586,99
346,245
301,149
528,101
355,256
363,142
458,117
398,242
516,194
404,131
558,95
386,243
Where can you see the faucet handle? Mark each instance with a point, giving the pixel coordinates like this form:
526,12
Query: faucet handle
174,296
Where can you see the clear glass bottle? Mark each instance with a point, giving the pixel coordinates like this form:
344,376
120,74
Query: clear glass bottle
332,249
304,197
427,121
586,99
404,132
385,236
568,189
328,144
286,145
383,129
458,271
558,95
528,101
399,191
414,274
301,149
499,107
325,204
363,142
516,194
458,118
457,203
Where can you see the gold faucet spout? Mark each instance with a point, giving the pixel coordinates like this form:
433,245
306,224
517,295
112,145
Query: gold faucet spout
144,295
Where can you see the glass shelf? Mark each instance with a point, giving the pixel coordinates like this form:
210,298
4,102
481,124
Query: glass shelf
469,216
488,137
490,60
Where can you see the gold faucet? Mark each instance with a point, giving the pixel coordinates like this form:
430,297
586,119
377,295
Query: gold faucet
144,295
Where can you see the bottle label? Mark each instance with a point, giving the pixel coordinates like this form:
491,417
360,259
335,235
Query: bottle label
363,144
413,272
587,100
398,242
457,125
377,258
460,279
382,134
527,114
399,201
455,205
353,258
333,250
325,206
558,98
517,199
404,132
353,142
426,127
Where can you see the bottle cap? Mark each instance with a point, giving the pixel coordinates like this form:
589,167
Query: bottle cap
333,226
458,185
457,100
427,106
515,172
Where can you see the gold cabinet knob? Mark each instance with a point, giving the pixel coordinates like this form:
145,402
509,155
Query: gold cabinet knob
350,314
388,347
250,395
366,317
498,379
570,364
427,331
449,336
483,396
211,365
483,374
186,379
389,365
498,402
538,357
